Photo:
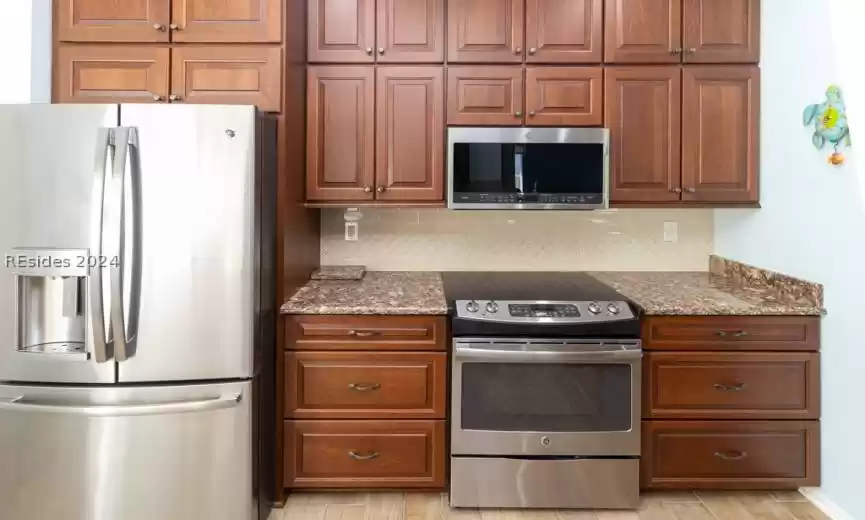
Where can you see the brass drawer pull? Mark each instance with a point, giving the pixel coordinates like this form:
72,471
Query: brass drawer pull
364,387
735,333
729,388
362,334
731,455
357,456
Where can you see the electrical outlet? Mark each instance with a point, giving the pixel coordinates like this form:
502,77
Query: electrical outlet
351,231
671,231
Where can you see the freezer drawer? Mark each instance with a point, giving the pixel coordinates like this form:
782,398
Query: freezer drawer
141,453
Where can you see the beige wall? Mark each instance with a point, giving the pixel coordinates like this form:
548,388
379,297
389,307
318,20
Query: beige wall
442,240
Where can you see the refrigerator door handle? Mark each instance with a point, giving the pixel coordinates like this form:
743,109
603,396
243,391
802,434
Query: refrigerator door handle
124,308
102,343
19,404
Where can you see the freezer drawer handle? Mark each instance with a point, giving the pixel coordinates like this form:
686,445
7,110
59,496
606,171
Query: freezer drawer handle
357,456
19,404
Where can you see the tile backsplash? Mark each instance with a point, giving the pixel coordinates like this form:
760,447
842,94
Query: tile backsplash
443,240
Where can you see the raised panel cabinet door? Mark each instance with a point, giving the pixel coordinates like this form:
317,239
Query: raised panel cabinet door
485,31
410,133
721,133
721,32
564,96
410,31
226,21
642,111
236,75
106,21
340,129
341,31
643,31
564,31
110,74
485,96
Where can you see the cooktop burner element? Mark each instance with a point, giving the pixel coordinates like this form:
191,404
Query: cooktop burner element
534,298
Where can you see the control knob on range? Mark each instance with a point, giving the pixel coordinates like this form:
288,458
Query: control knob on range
594,308
473,306
492,307
613,308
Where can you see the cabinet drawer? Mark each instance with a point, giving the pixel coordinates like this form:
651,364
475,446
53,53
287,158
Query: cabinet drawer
365,332
731,333
365,385
730,455
728,385
365,454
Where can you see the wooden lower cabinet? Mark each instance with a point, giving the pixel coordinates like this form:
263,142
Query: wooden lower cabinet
110,74
730,454
365,454
232,75
366,385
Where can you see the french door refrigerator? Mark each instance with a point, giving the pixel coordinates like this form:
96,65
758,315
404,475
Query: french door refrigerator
136,303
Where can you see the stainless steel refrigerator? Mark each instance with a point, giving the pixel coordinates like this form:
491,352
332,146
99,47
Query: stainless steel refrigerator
136,304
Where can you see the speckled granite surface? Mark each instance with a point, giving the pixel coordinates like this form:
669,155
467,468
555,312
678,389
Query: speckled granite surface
787,288
704,294
379,292
339,272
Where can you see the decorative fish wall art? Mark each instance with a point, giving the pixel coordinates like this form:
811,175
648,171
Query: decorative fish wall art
830,123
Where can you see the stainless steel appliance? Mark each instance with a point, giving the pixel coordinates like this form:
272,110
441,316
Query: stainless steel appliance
528,168
546,392
136,304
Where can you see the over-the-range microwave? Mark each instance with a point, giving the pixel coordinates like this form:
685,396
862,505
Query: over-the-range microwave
528,168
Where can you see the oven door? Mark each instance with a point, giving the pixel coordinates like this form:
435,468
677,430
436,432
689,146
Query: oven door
546,397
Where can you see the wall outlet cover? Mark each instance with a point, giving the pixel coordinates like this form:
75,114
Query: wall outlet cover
671,231
351,231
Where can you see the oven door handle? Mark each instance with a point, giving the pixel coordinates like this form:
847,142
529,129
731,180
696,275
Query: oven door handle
546,356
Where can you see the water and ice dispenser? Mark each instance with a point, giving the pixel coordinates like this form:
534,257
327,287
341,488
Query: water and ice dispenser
51,296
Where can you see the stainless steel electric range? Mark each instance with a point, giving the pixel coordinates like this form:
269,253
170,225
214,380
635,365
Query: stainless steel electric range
546,392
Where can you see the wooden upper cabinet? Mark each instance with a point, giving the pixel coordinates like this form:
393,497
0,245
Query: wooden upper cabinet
564,96
721,134
644,31
226,21
642,111
107,21
488,31
564,31
410,31
721,32
409,135
110,74
243,75
485,96
341,31
340,133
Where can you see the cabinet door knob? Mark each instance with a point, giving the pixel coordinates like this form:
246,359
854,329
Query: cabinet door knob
674,52
518,50
380,189
174,27
676,190
531,113
174,97
369,51
518,114
692,50
381,50
157,97
691,190
367,189
159,27
532,50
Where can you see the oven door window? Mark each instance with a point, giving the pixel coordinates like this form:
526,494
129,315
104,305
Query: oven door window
546,397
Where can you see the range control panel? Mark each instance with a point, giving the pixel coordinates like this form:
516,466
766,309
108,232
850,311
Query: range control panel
543,311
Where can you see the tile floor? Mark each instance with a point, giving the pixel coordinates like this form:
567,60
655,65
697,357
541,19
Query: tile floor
686,505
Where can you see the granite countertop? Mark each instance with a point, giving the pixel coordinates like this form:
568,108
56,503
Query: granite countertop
378,292
702,294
